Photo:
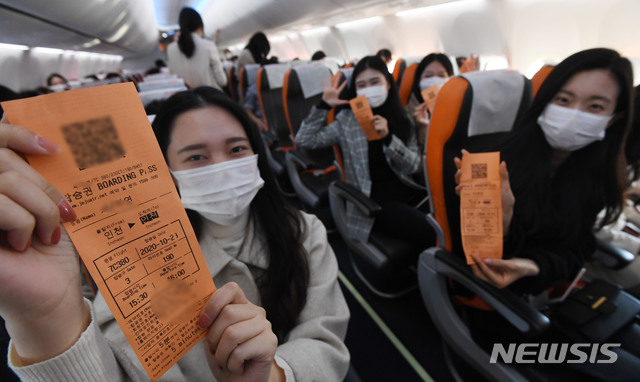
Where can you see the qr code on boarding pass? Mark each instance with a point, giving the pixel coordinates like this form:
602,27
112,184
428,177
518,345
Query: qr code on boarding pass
93,142
478,170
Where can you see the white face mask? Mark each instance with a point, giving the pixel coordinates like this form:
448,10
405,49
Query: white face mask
376,95
569,129
220,192
428,82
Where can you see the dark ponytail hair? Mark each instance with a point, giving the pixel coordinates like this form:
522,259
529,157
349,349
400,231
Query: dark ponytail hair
398,120
259,47
189,21
283,287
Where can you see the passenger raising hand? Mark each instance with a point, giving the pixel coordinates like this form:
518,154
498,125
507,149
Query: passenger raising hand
331,93
421,115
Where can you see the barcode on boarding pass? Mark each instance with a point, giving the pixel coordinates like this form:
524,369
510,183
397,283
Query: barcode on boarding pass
478,170
93,142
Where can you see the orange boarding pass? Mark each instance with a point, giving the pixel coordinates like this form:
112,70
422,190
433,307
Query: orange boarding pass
362,111
429,96
481,206
132,231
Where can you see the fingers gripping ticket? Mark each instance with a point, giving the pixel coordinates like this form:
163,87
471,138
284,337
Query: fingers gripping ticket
24,141
29,201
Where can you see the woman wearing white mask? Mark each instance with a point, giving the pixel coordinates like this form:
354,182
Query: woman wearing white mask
278,312
566,163
382,169
434,69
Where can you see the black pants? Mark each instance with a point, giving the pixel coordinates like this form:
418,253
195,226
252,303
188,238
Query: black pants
405,222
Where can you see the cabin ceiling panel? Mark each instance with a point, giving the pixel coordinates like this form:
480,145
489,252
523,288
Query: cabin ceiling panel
125,27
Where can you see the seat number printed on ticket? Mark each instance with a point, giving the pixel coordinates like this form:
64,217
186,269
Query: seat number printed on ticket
132,231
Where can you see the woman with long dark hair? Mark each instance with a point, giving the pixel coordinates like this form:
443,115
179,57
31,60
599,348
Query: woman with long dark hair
566,163
278,310
256,50
382,169
194,58
433,69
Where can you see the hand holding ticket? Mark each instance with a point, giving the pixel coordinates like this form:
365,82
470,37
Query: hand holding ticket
481,206
429,96
131,230
364,115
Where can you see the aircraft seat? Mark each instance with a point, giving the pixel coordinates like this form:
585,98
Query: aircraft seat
310,171
385,265
471,114
458,123
398,70
232,83
247,76
159,88
270,79
539,77
406,84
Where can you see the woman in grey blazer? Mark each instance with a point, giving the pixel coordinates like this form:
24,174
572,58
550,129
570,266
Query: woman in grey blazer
384,169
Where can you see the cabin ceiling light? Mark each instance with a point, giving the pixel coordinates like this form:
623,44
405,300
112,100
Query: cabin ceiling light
420,11
91,43
41,49
13,46
354,23
119,33
315,31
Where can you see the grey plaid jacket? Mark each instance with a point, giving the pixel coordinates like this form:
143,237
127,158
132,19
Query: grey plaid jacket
345,131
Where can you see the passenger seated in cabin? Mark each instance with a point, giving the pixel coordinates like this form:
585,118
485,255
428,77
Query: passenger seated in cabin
318,55
57,81
194,58
434,69
566,164
385,55
255,52
252,106
470,64
261,252
154,107
382,169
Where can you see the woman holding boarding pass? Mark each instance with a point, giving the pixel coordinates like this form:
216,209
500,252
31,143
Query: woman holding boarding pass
566,164
381,169
271,319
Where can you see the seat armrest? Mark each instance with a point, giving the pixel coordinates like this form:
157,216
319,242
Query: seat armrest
351,194
269,137
302,161
611,256
512,307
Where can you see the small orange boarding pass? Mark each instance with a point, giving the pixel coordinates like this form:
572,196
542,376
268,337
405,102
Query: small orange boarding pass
481,206
362,111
